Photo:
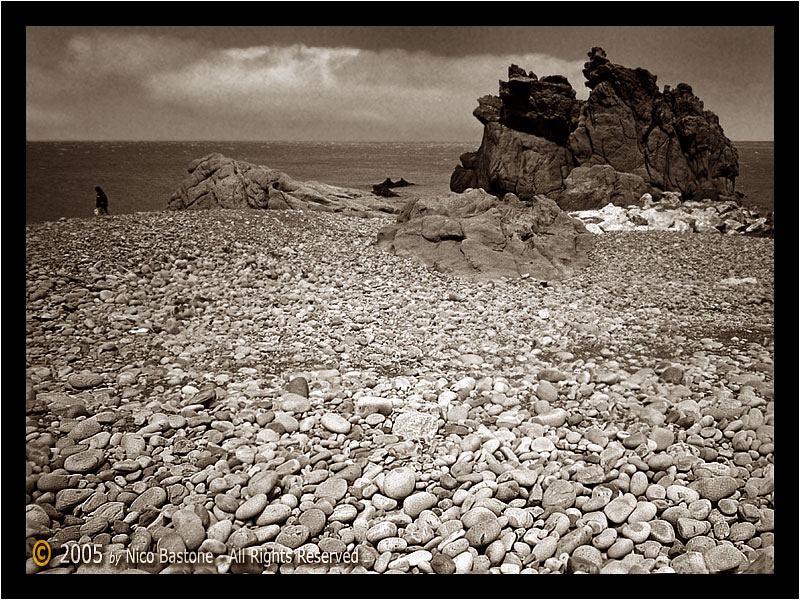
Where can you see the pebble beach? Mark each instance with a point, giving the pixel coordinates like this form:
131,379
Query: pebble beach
236,391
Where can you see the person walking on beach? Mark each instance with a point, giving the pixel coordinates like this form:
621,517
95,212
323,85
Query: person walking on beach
101,205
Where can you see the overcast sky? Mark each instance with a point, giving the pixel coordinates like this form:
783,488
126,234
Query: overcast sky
356,83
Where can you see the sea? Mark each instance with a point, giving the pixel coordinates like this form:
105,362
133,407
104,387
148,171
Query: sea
60,177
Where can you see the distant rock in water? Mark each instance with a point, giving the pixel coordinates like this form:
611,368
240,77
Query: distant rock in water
382,190
216,181
393,184
385,189
475,234
627,139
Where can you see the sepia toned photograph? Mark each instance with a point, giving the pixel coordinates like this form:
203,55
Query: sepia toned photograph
399,300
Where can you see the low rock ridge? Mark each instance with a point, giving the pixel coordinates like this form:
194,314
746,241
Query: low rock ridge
670,214
476,235
627,139
216,181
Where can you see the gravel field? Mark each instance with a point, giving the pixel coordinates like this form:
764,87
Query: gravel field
242,391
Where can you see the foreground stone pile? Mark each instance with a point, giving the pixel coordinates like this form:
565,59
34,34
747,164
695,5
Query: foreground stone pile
261,388
670,214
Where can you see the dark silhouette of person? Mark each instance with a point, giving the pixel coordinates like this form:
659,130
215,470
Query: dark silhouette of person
101,205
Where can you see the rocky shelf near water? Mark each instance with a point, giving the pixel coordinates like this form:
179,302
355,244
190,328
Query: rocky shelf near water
206,383
217,181
670,214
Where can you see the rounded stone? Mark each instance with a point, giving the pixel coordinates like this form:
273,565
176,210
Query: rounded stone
368,405
262,482
399,483
226,503
313,520
335,423
334,489
381,502
133,445
82,381
689,528
639,483
483,533
542,444
392,544
153,497
546,391
715,488
85,429
218,531
69,497
414,504
242,538
524,477
293,536
620,548
662,437
554,418
190,527
475,515
519,517
52,482
690,563
418,557
344,513
274,514
559,494
638,532
84,462
700,509
590,475
588,553
545,548
742,531
644,511
295,403
442,565
662,531
299,386
251,507
620,508
605,538
380,531
678,493
37,521
723,557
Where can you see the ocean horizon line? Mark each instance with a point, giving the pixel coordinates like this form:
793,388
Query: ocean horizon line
211,141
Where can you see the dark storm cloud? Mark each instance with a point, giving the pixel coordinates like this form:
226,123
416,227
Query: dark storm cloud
156,83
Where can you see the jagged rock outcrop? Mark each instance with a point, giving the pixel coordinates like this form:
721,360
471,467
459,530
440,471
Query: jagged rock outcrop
216,181
627,139
475,234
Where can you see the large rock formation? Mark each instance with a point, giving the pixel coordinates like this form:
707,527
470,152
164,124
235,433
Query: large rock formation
628,138
216,181
475,234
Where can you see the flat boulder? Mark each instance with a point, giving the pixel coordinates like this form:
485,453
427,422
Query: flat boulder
217,181
476,235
